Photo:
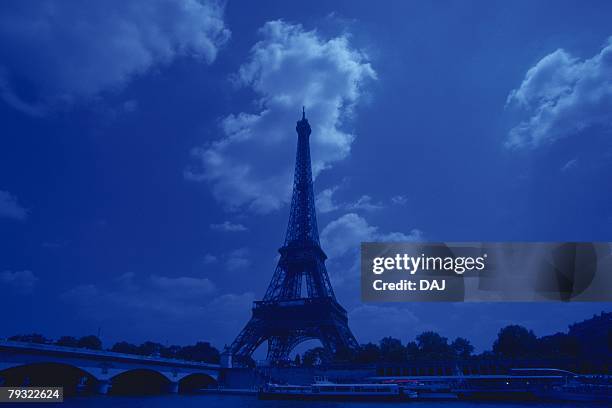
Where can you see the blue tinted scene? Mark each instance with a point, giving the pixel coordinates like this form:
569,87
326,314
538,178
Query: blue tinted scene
185,186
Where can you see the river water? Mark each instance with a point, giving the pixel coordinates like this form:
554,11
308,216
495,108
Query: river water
232,401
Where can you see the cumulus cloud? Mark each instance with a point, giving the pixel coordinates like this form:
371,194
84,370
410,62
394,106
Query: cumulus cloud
326,202
10,207
345,234
563,95
209,259
164,307
237,259
56,52
399,200
19,281
341,241
366,203
250,166
166,297
228,226
569,165
233,260
183,286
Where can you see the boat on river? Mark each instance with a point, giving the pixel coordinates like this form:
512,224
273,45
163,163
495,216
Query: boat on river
580,388
328,391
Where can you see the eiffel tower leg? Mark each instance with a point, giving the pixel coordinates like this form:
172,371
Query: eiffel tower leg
338,341
248,340
279,348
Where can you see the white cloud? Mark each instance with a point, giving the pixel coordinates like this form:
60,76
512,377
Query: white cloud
10,207
237,259
183,286
341,240
55,244
233,260
68,50
325,201
365,203
569,165
209,259
345,234
228,226
165,307
251,165
563,95
20,281
167,297
399,200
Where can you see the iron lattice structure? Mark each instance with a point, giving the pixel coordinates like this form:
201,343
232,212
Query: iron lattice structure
286,316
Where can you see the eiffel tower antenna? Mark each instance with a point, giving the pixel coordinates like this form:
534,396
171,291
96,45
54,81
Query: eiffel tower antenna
286,317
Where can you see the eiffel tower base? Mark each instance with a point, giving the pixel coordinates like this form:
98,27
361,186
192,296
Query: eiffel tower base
285,324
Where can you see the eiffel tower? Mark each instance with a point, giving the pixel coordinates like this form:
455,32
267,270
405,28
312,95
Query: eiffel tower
286,316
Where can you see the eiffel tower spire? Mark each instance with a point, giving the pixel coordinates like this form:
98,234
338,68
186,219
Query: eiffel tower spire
302,228
286,316
301,255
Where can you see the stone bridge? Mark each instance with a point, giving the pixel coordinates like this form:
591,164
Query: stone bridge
99,371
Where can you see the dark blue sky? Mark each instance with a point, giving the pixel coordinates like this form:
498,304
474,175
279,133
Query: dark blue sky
146,153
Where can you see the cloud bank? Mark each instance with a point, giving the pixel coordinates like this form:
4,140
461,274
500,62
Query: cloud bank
228,226
341,240
10,207
326,203
563,95
164,307
347,232
250,166
19,281
60,51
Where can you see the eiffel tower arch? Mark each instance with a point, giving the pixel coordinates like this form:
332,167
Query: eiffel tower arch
286,317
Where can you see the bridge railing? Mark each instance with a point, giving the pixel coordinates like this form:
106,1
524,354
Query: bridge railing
100,353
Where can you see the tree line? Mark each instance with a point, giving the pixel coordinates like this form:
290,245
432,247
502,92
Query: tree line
513,342
201,351
590,338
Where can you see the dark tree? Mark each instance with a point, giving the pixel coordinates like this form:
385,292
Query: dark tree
30,338
314,356
392,350
150,348
170,352
297,361
515,341
368,354
558,345
125,347
462,348
433,346
412,350
90,342
67,341
201,351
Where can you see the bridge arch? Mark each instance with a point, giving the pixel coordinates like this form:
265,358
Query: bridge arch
140,381
194,381
73,378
